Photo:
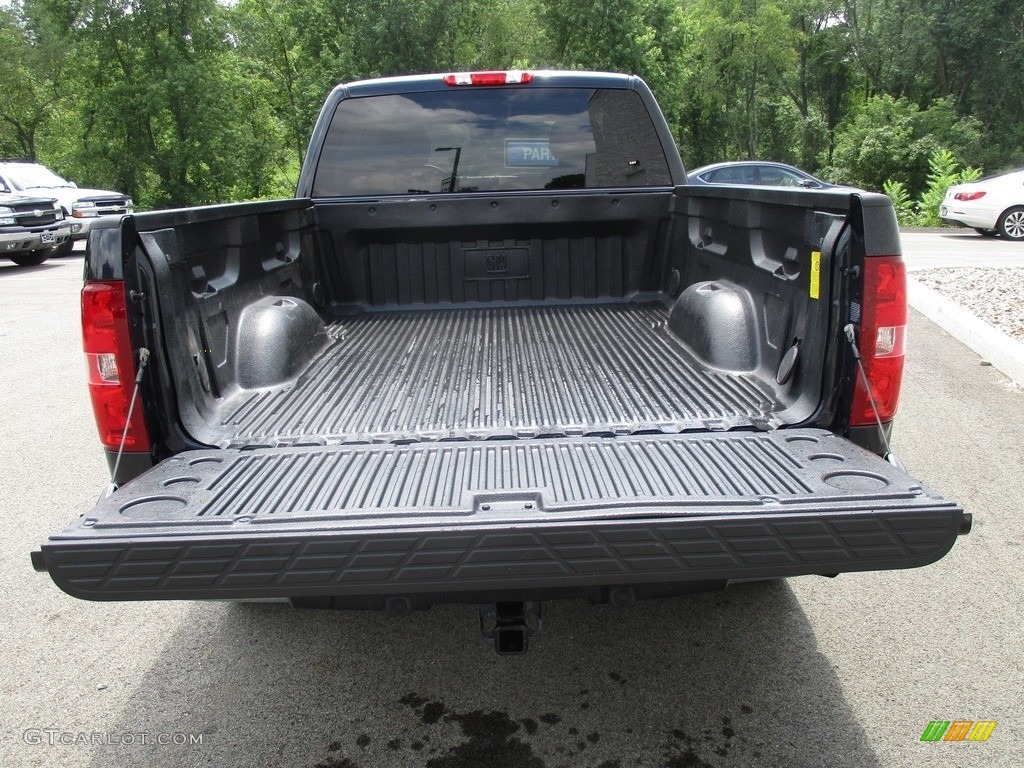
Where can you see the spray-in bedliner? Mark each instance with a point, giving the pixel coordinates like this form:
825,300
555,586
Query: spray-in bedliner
446,519
496,373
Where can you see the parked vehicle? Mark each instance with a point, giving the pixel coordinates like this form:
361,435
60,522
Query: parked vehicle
497,351
756,172
991,206
80,206
31,228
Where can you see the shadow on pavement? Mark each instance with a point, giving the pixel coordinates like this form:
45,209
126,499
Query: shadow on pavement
728,678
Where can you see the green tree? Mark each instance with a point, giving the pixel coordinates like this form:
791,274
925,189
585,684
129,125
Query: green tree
641,37
187,101
34,74
891,138
269,43
736,50
819,79
508,35
392,37
968,51
166,112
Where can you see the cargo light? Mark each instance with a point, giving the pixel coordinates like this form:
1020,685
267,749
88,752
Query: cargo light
111,365
513,77
883,335
969,195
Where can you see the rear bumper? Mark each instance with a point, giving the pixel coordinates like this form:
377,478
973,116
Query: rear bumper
447,521
975,218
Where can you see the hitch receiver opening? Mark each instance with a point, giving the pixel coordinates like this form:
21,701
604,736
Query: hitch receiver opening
510,625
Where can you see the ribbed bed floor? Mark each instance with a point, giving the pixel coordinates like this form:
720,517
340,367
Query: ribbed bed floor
496,373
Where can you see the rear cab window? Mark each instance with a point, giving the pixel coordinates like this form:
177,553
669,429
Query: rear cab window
487,139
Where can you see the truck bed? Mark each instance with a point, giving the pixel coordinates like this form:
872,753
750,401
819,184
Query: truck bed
514,384
490,373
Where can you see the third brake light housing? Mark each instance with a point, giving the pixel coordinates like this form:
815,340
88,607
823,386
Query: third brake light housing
512,77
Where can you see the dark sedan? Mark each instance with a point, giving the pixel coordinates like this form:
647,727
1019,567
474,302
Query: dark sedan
757,172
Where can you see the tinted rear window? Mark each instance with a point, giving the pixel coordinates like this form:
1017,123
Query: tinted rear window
480,140
733,174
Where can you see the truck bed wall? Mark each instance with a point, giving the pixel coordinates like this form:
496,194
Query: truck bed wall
486,249
246,294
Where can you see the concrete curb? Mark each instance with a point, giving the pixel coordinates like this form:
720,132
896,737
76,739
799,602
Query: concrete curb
935,231
1004,352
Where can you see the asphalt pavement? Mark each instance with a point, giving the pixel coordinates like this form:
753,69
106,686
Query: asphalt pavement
933,249
843,673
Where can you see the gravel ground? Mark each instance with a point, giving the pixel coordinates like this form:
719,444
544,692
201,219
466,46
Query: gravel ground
996,295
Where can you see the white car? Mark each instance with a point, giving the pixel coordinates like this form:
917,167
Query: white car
80,206
992,206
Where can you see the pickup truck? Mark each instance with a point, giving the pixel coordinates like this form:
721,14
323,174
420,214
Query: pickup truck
81,207
496,351
31,228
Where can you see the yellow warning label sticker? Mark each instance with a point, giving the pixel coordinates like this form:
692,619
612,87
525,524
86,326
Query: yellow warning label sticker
815,274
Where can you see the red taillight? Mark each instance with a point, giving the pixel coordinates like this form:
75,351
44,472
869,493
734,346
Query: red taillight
968,195
108,354
883,334
489,78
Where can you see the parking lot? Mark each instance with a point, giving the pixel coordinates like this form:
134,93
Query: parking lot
844,672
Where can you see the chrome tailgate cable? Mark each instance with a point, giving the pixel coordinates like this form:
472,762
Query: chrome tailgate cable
851,336
143,359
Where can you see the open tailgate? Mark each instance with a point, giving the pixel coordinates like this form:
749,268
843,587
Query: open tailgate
467,517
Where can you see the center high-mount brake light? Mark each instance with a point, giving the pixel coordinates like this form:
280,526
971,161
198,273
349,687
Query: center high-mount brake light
883,334
514,77
111,363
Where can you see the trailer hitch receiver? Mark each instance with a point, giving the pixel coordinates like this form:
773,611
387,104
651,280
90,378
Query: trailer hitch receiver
510,625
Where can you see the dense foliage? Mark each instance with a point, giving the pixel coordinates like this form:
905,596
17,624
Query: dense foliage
181,102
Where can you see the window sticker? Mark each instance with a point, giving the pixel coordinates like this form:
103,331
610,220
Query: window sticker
529,153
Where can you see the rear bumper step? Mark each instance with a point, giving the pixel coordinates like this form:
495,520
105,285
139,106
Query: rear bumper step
526,516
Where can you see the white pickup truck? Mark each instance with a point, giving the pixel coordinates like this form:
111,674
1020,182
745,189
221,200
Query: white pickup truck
81,207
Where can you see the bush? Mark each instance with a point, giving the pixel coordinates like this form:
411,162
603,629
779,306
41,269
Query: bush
943,173
906,209
891,139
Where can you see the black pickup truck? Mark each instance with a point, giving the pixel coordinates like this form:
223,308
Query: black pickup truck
496,351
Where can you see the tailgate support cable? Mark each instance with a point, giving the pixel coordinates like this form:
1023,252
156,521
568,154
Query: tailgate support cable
143,359
851,336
